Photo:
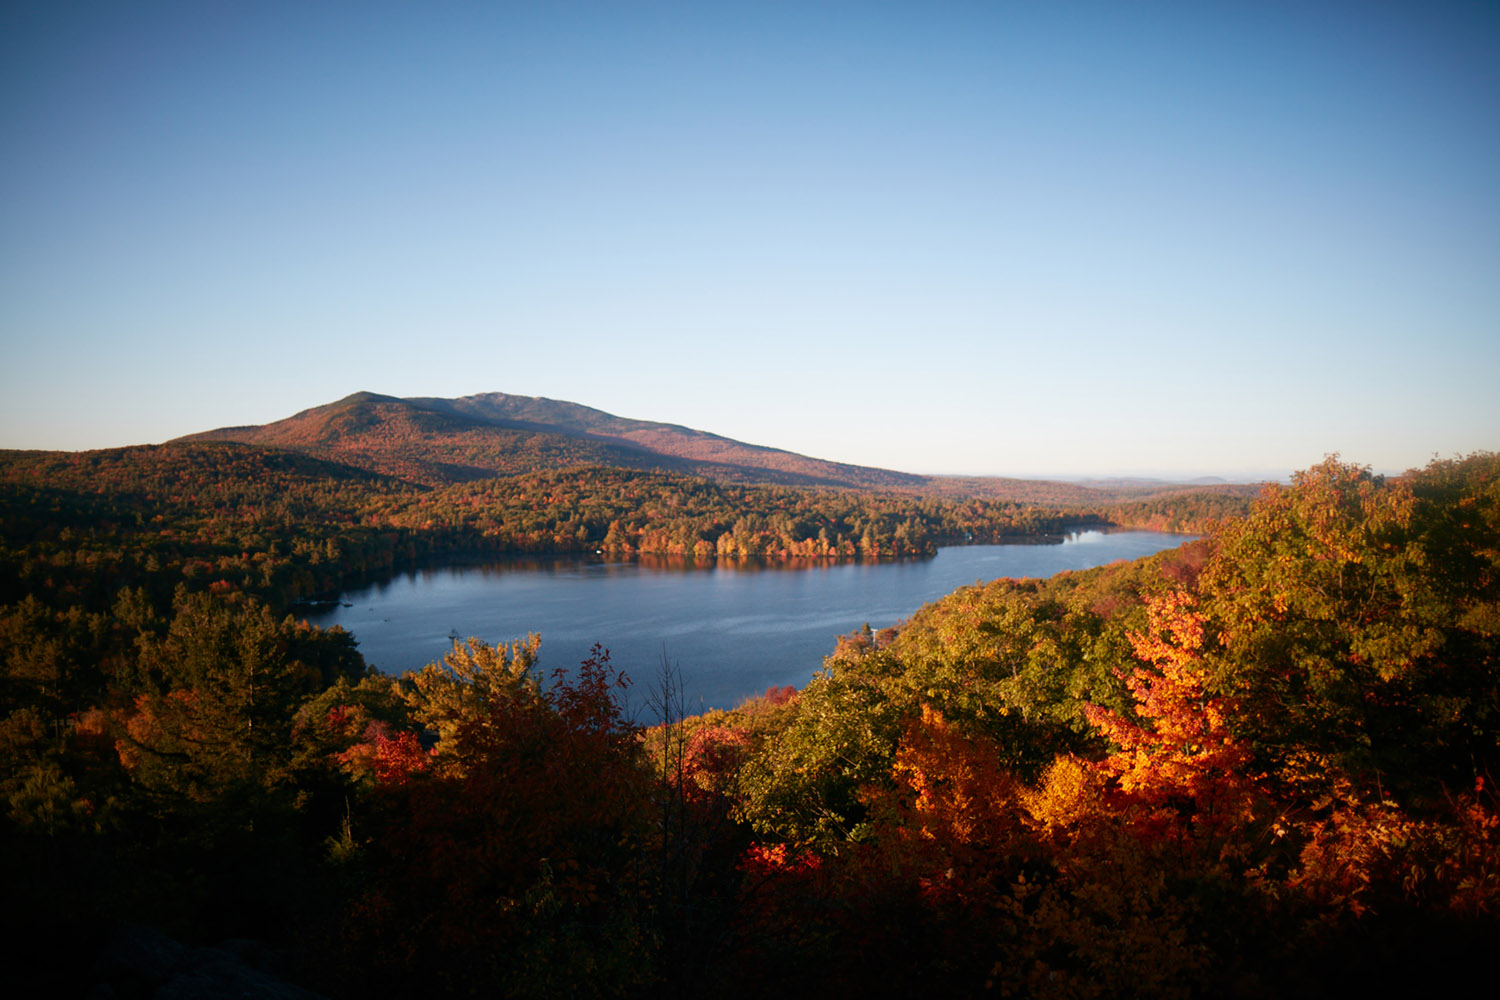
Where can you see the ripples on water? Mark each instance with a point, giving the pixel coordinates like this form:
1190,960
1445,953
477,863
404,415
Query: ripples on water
732,630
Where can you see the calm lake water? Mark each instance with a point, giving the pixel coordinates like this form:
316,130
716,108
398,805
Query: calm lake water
732,630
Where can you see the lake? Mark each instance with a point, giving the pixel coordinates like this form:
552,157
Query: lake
733,630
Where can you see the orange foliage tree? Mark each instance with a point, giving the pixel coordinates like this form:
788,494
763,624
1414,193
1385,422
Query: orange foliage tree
1148,848
1179,772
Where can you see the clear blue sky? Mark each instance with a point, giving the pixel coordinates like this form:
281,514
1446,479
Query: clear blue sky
940,237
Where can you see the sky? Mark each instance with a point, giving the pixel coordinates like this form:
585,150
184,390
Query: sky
1054,239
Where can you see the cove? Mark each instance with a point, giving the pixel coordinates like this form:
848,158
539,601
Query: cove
732,630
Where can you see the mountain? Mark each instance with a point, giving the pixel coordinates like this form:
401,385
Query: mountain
711,452
442,441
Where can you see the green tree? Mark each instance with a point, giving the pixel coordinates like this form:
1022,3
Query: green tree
1343,633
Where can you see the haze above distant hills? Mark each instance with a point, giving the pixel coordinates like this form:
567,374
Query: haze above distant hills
441,441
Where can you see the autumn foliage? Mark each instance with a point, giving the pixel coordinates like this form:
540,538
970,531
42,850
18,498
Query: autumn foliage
1214,838
1261,765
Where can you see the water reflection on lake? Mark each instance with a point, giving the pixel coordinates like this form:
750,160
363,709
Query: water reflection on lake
733,629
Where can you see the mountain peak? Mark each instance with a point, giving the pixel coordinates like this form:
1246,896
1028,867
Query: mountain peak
365,396
435,441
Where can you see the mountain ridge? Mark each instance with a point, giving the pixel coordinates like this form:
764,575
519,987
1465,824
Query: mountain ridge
441,441
436,441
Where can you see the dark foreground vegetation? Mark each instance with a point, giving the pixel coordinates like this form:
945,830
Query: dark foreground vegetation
1260,765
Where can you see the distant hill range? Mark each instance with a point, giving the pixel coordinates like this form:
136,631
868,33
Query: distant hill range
442,441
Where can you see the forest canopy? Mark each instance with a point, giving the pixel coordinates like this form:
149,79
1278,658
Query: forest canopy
1261,764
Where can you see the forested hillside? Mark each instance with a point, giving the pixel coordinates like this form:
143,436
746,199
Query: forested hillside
1260,765
439,442
78,527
